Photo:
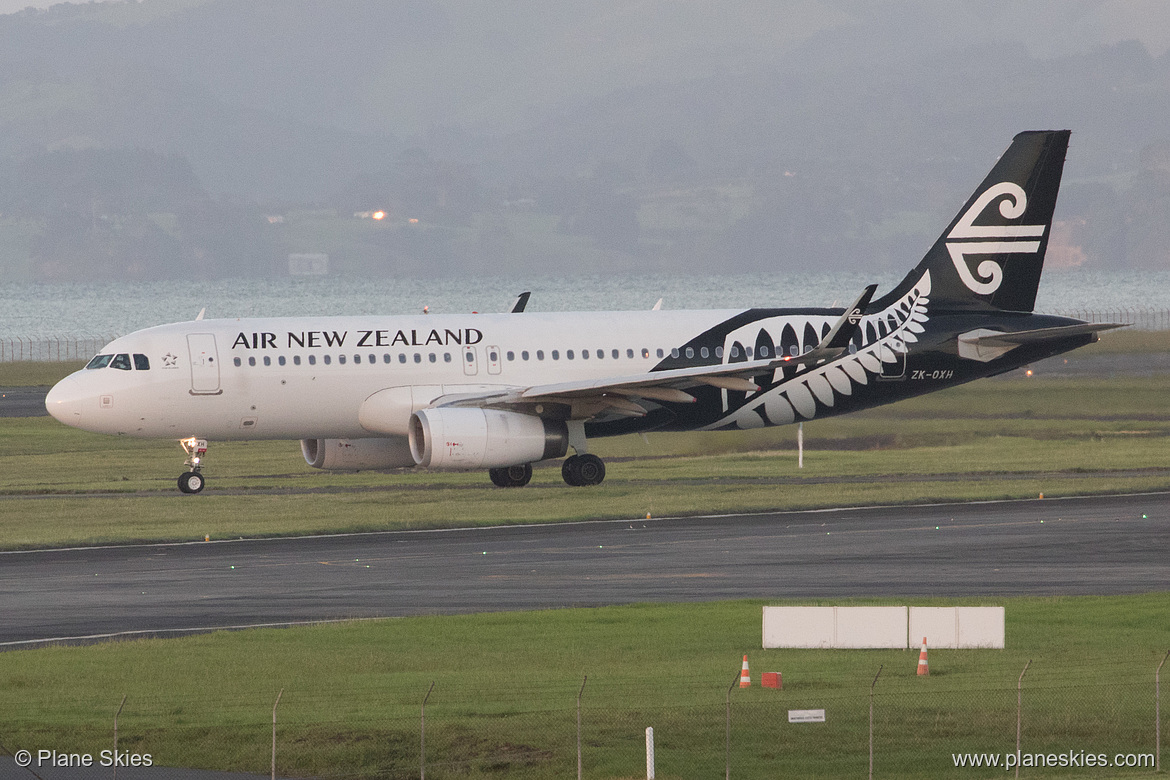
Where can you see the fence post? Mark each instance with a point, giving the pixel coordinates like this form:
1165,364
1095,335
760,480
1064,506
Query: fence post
1019,709
422,739
583,680
727,744
274,732
871,686
116,714
1158,715
649,753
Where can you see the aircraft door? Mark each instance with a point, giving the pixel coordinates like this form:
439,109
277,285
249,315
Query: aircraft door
493,360
470,361
204,364
897,369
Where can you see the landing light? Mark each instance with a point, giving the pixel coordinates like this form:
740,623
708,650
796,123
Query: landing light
378,215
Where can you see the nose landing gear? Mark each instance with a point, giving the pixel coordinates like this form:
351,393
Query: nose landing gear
192,481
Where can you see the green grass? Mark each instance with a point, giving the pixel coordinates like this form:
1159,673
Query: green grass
506,685
995,439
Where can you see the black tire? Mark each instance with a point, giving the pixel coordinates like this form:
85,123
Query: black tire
590,469
519,476
511,476
191,482
569,471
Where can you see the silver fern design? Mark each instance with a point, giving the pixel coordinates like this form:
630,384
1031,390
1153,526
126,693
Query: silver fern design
798,393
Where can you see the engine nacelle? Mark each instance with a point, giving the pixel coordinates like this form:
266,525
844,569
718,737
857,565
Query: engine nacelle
357,454
458,438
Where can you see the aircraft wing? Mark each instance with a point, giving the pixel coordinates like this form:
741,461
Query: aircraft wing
620,395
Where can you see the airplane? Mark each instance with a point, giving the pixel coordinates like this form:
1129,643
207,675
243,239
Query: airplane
505,391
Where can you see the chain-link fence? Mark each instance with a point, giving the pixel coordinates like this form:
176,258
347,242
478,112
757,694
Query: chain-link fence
51,349
1138,317
1051,721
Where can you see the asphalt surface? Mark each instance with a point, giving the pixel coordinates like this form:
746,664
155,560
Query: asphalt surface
1101,545
23,401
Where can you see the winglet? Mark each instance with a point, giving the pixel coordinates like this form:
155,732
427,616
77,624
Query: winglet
520,302
837,339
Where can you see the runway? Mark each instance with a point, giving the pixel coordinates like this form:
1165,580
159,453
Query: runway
1101,545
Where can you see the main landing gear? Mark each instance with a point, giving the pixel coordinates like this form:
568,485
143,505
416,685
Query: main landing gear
511,476
582,470
192,481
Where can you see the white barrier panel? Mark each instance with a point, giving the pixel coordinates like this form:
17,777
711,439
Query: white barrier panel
883,627
835,627
870,627
957,627
799,626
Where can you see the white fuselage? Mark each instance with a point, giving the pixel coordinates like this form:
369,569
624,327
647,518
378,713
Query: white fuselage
301,378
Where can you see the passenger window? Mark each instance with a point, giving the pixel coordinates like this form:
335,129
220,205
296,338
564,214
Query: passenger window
747,351
372,358
386,358
446,357
280,360
629,353
432,357
251,361
556,355
296,360
614,354
674,352
511,356
267,360
763,351
417,357
237,362
401,357
734,351
328,360
540,354
312,360
660,352
704,352
719,352
356,358
690,352
469,355
121,361
794,350
99,361
141,362
524,354
645,352
340,359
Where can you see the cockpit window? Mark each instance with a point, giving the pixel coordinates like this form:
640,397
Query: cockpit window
121,361
141,362
100,361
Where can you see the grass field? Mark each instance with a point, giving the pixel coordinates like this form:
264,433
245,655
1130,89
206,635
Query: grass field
506,685
990,439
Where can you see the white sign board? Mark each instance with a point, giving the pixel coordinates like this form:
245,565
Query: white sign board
806,716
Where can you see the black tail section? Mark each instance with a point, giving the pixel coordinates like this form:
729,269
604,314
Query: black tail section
991,255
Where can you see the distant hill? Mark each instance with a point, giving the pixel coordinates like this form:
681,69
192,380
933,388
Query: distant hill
559,137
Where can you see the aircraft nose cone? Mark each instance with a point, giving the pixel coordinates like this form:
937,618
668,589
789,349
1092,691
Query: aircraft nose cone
66,399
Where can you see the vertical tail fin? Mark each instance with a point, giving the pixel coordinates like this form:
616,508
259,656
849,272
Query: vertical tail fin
991,255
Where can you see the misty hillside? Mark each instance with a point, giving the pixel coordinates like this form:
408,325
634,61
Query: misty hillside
203,138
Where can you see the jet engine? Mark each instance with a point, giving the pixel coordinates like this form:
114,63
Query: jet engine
466,438
357,454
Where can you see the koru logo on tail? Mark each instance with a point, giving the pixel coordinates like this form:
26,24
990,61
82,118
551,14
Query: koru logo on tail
988,275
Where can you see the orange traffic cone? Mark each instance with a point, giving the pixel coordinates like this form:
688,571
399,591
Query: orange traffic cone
745,677
923,664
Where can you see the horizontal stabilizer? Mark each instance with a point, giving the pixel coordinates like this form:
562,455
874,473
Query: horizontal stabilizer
984,344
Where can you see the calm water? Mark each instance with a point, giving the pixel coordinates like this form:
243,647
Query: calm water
117,308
